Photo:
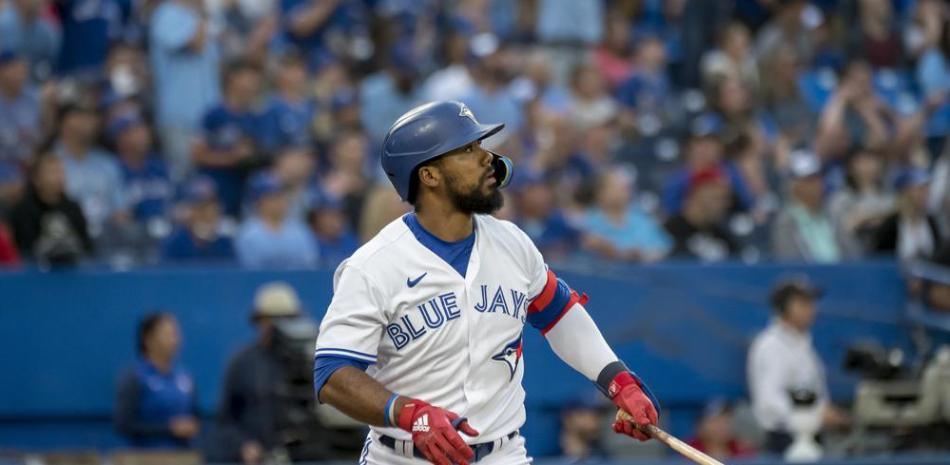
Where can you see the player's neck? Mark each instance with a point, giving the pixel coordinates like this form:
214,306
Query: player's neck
447,224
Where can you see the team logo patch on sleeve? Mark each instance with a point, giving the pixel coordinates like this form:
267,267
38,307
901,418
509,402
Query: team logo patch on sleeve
510,355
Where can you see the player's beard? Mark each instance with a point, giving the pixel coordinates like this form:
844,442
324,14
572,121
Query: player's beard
475,200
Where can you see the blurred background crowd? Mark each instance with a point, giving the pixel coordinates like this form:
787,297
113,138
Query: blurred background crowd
143,131
136,133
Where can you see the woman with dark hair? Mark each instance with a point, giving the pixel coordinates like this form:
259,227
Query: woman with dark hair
155,406
862,205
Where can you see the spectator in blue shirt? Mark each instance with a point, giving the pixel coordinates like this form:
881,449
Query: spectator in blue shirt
540,218
490,97
93,176
230,135
335,239
616,228
185,57
156,402
20,129
390,92
26,31
288,120
648,89
309,22
269,238
201,236
89,28
148,189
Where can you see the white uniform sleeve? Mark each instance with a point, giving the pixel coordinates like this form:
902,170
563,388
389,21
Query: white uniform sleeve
577,340
353,324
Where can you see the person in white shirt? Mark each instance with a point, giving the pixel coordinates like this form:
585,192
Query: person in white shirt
783,363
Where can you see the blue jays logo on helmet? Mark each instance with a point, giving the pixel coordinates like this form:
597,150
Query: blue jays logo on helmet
464,111
511,355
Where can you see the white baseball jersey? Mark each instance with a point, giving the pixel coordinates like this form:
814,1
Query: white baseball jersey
434,335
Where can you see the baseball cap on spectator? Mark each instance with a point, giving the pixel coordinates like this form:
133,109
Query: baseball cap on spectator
483,45
263,183
705,177
123,123
402,57
344,98
911,177
803,164
199,189
275,300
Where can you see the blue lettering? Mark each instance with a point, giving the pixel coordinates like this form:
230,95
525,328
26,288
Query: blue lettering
499,301
432,322
484,305
450,305
519,301
415,333
397,335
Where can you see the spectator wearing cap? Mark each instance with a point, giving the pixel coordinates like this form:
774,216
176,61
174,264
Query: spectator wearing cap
705,150
647,90
288,119
392,91
89,28
539,216
269,238
184,54
32,34
782,360
230,135
698,231
803,229
200,237
148,188
93,176
48,226
20,113
910,232
864,203
491,97
715,435
336,240
581,438
615,228
250,399
156,405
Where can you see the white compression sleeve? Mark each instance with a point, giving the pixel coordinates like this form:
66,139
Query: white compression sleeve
577,340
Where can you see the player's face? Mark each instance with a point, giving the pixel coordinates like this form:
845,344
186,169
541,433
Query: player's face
469,180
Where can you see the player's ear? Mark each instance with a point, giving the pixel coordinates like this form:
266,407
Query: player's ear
429,175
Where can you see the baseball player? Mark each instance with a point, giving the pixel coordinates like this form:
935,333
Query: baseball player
422,339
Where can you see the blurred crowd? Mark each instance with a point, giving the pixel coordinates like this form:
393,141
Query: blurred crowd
136,132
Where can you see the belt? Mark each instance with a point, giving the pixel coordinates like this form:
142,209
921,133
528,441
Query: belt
480,451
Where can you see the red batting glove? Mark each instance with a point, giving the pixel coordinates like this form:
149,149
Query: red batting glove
433,432
627,394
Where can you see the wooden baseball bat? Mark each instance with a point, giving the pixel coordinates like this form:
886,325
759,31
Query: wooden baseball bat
672,441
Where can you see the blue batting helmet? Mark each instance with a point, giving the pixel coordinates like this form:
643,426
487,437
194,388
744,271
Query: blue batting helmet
429,131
